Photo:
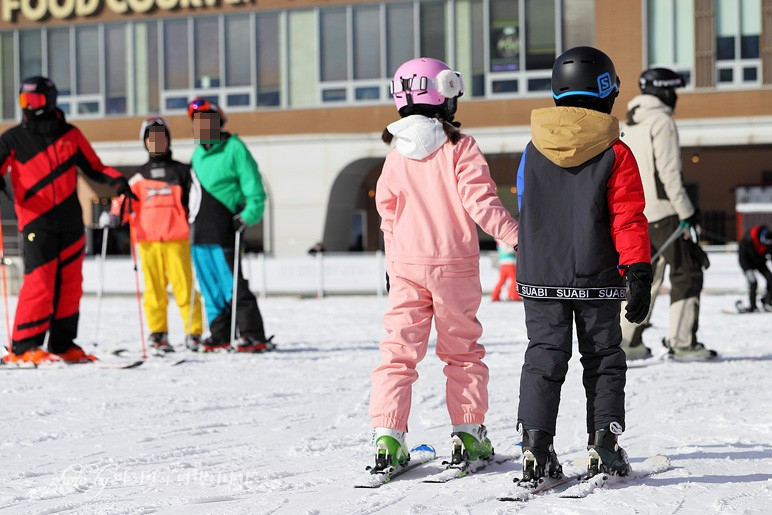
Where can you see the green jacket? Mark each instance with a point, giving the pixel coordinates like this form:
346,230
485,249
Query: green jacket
229,173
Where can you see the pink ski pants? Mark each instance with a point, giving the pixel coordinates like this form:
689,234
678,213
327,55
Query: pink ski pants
451,295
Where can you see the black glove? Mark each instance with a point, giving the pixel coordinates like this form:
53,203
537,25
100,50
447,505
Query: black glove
124,189
638,277
700,255
238,223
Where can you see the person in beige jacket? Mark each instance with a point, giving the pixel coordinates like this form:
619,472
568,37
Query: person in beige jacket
652,135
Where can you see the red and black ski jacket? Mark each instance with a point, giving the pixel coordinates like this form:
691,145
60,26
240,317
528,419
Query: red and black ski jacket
43,158
581,208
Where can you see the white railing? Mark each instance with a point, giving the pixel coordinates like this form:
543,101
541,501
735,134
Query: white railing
362,274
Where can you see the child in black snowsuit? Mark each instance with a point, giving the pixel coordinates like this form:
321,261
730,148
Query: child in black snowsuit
755,249
584,247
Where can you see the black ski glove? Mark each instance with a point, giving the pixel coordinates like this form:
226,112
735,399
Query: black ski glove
124,189
639,277
238,223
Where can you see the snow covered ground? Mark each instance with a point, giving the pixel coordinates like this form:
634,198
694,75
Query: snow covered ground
288,431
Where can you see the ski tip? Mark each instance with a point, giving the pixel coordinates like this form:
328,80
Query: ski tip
424,447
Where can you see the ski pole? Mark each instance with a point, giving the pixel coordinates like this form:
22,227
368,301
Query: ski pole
5,287
136,278
100,290
236,248
669,241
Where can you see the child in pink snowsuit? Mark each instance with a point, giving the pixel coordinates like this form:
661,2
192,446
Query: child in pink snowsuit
435,185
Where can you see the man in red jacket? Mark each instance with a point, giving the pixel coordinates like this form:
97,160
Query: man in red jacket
43,154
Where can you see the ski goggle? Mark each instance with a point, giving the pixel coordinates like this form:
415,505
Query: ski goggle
32,100
199,104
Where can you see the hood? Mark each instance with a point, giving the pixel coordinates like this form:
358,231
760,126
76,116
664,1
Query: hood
570,136
644,106
417,137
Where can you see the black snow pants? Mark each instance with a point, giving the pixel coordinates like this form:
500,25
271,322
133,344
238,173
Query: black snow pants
549,324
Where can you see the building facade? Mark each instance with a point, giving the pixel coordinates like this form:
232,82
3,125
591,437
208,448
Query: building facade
305,84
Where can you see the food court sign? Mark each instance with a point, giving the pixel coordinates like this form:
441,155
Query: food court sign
36,10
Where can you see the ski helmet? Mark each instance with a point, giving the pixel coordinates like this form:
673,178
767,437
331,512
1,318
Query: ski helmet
202,105
425,85
154,121
662,83
584,76
37,95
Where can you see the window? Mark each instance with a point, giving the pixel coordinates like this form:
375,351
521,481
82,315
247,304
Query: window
523,42
400,40
59,63
88,70
367,38
237,69
433,30
671,35
30,54
206,41
176,54
350,54
334,47
268,60
115,69
504,35
539,35
738,26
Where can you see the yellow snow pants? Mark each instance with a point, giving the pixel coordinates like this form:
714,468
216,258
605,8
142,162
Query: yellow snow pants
165,262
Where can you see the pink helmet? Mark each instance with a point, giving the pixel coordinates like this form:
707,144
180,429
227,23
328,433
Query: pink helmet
426,81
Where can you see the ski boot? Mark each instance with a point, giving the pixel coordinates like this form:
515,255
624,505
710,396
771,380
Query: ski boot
193,342
390,450
470,443
209,345
539,457
605,454
34,356
251,344
75,355
159,343
696,352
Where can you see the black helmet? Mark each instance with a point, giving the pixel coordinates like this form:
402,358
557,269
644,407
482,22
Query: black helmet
37,95
584,76
662,83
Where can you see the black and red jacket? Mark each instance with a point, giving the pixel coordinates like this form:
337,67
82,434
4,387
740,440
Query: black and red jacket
753,254
44,158
581,208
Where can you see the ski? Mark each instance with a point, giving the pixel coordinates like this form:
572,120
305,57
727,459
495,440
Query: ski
652,465
463,469
741,309
524,490
419,455
647,362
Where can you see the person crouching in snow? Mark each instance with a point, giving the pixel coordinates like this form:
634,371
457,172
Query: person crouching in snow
507,272
583,234
754,252
160,224
434,186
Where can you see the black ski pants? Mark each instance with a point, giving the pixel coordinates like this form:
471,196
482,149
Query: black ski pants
549,324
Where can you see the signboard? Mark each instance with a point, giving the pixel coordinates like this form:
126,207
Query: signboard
39,10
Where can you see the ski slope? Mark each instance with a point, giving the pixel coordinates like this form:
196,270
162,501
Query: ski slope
287,432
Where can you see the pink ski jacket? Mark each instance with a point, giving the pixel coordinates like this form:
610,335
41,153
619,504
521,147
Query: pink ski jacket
431,193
